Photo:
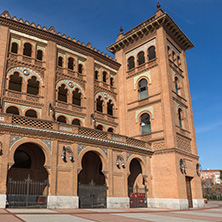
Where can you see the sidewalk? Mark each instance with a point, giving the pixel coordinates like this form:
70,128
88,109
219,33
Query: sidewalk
211,212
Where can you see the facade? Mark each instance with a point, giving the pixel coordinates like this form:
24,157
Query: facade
76,118
213,175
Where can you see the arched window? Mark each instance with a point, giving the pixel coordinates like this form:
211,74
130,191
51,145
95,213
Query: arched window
80,68
13,110
15,82
33,86
168,50
151,53
180,113
111,130
111,81
61,119
145,123
176,81
178,61
143,89
71,63
76,97
141,58
39,54
14,47
99,127
60,61
27,51
104,76
110,107
62,94
31,113
96,75
131,63
99,104
76,122
173,56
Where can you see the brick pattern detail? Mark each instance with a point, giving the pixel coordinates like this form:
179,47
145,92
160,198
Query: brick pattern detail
24,121
183,144
135,142
159,145
92,133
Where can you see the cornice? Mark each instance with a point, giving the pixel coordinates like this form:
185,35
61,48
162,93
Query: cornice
176,150
9,128
149,26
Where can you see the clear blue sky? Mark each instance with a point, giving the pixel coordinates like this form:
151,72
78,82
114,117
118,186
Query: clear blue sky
99,21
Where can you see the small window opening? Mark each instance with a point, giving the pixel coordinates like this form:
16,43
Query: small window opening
131,63
80,68
104,76
33,86
60,61
141,58
71,63
12,110
110,108
27,51
76,122
99,104
31,113
39,55
14,48
143,89
62,94
76,97
61,119
15,82
151,53
145,123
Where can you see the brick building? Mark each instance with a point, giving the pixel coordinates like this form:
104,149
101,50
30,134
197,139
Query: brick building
213,175
96,129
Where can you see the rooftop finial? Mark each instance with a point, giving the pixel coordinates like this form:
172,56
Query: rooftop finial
121,29
158,5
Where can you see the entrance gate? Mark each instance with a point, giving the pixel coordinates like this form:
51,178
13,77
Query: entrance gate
27,193
92,195
138,197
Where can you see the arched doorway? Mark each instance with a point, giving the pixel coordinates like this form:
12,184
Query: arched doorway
27,184
91,187
136,185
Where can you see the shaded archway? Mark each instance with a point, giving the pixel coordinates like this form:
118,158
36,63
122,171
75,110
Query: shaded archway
91,187
136,185
27,184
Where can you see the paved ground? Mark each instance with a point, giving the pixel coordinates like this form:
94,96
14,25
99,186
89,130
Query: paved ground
211,212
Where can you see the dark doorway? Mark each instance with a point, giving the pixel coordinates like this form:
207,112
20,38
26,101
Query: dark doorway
27,184
137,190
189,192
92,188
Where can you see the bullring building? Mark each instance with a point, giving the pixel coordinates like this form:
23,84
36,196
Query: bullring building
79,129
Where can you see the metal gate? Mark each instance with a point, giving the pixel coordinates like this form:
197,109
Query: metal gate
27,193
92,195
138,196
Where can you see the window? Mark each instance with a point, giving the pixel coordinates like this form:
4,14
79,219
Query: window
145,123
178,61
27,51
141,58
14,48
99,127
60,61
71,63
180,118
15,82
168,50
176,81
131,63
151,53
80,68
31,113
61,119
104,76
99,104
13,110
33,86
76,122
39,54
62,94
143,89
173,56
111,81
110,108
111,130
96,75
76,97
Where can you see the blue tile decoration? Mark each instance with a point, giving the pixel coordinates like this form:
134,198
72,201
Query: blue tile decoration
81,147
48,143
13,140
128,155
105,151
